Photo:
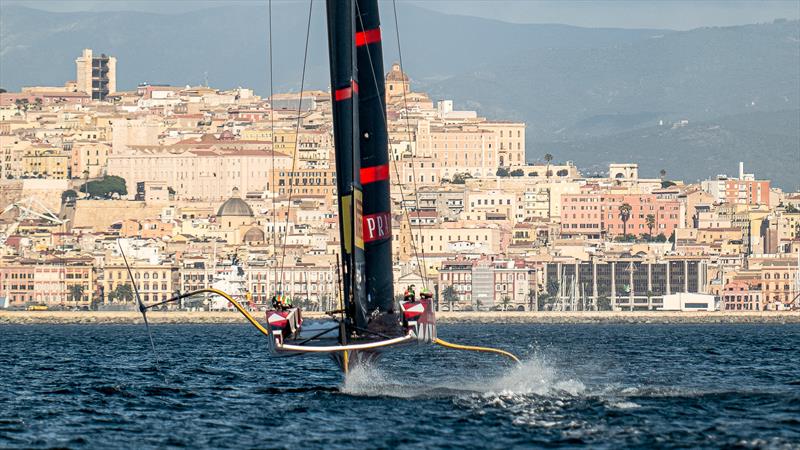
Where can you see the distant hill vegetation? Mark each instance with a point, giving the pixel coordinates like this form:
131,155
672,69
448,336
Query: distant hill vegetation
767,142
575,87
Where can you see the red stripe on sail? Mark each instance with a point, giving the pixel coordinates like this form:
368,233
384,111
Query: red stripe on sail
377,226
374,173
368,37
345,93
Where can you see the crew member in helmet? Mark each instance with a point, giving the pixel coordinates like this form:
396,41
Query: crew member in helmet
410,295
425,294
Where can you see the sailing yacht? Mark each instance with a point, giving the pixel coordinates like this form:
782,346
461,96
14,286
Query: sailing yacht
368,319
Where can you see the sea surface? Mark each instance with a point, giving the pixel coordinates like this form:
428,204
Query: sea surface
215,386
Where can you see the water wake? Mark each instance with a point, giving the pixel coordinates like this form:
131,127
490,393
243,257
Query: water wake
532,377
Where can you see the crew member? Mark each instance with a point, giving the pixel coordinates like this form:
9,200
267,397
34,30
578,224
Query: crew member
410,295
425,294
275,302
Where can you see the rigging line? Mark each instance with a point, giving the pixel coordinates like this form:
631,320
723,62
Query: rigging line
408,132
272,160
139,303
394,163
296,135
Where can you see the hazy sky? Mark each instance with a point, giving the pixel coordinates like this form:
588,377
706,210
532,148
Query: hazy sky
674,14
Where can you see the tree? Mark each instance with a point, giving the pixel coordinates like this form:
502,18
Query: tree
3,91
625,214
68,195
449,296
517,173
533,174
604,304
562,173
791,209
662,173
460,178
122,292
76,292
661,238
666,184
105,187
501,172
650,220
547,158
505,301
22,103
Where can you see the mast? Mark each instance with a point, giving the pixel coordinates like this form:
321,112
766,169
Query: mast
341,19
374,159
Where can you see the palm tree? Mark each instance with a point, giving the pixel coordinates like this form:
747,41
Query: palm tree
547,158
450,296
663,173
505,301
76,292
625,214
650,220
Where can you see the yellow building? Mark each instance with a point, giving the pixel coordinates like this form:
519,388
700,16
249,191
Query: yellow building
46,162
154,281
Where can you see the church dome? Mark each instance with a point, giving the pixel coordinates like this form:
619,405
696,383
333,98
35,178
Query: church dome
395,74
235,206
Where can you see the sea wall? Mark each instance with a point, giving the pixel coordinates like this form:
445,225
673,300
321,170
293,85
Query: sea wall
644,317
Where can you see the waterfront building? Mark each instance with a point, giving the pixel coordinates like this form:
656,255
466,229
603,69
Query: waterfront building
596,215
625,282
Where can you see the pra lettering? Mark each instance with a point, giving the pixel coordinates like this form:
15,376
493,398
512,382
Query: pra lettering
377,226
425,331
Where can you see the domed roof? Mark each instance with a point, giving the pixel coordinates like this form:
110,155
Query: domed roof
396,74
235,206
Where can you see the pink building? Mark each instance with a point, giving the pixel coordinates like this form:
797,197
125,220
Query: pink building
740,295
594,215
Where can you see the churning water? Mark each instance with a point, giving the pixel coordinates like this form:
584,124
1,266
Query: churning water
607,386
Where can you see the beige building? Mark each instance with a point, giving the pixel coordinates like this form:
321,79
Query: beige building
12,148
199,174
478,149
450,238
89,159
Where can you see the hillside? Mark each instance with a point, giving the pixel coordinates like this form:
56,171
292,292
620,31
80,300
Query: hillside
767,142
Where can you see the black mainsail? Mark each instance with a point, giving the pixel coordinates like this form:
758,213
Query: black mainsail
362,169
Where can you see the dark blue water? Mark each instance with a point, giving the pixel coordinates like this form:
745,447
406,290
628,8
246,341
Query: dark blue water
607,386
